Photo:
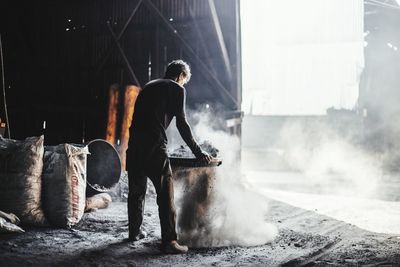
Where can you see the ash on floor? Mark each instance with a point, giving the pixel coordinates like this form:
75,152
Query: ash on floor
99,240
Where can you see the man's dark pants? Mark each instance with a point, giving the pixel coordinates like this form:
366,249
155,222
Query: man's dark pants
150,160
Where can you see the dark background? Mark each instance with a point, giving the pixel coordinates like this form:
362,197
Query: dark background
60,59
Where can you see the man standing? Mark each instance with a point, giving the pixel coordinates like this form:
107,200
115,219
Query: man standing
158,102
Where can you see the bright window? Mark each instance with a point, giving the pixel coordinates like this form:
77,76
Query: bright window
301,57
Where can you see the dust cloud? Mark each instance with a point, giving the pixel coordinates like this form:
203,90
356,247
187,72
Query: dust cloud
330,159
233,214
325,169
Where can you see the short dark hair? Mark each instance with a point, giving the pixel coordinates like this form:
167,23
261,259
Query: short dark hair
176,67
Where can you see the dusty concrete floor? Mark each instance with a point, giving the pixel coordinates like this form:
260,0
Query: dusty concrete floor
316,228
305,238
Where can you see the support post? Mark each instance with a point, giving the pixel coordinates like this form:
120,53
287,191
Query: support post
112,114
131,93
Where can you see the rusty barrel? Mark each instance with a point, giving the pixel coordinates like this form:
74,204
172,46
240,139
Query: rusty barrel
197,180
103,167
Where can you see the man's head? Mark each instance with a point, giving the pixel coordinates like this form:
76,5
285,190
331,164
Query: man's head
179,71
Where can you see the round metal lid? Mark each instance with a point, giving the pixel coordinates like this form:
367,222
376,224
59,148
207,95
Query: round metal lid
103,165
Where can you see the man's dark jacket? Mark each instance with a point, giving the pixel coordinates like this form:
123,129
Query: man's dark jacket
158,102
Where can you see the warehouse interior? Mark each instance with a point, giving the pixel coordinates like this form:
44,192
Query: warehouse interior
296,101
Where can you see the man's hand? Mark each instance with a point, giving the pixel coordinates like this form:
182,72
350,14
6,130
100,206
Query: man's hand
204,157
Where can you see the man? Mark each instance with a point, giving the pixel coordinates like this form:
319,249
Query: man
158,102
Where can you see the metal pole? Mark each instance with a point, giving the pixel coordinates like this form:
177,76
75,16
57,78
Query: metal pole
238,53
4,89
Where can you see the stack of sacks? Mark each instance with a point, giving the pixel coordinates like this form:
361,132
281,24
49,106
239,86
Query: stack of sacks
38,184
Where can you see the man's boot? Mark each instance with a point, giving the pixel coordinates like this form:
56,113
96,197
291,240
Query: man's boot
174,248
142,234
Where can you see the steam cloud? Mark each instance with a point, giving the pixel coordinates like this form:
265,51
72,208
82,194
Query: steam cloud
233,214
